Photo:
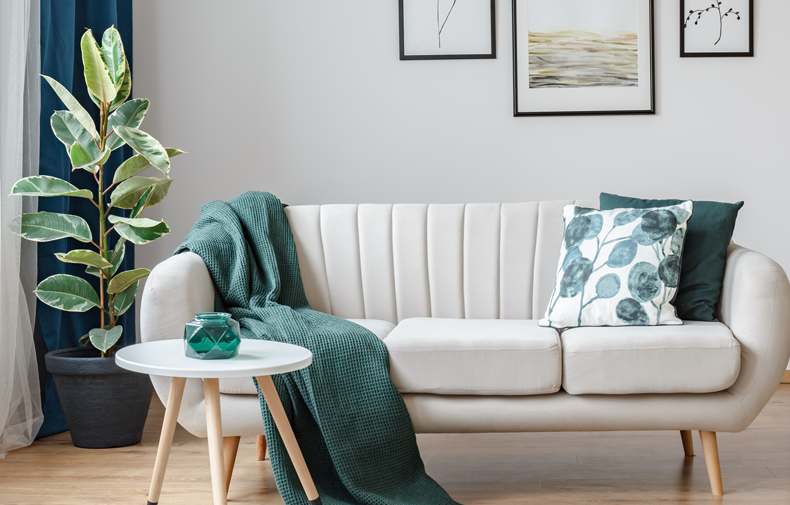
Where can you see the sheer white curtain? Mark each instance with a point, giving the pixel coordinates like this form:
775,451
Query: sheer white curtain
20,401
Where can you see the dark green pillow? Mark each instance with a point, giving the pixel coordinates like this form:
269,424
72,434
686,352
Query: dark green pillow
704,253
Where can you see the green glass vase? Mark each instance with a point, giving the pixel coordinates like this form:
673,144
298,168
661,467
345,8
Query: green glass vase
212,335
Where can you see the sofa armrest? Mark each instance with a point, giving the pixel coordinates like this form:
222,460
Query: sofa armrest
176,290
755,304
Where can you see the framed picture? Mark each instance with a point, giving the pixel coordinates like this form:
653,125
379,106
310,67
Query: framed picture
447,29
583,57
716,28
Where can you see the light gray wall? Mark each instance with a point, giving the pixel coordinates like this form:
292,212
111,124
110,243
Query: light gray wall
309,101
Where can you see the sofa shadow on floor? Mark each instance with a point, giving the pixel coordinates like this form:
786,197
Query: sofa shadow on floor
498,469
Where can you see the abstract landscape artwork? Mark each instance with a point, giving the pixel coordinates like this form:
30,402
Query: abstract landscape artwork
583,57
570,51
576,58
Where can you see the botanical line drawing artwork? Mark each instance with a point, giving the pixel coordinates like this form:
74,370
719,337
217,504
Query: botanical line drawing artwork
447,29
722,15
440,27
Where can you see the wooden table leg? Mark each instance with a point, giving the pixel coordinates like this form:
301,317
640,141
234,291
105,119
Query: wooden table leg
166,438
214,428
287,434
230,447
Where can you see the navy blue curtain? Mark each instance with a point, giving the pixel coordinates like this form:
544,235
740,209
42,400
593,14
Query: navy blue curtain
63,22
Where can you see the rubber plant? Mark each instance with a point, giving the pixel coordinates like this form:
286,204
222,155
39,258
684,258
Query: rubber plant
109,82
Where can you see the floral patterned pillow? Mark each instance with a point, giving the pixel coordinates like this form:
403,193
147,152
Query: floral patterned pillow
618,267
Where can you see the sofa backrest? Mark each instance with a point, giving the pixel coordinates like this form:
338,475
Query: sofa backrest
392,262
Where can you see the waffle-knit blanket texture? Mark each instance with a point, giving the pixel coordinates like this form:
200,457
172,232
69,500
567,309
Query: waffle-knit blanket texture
351,423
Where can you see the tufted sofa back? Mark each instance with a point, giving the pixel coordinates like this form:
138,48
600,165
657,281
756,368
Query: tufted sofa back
392,262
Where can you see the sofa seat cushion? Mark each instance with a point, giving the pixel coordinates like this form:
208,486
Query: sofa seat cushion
474,357
698,357
245,385
380,328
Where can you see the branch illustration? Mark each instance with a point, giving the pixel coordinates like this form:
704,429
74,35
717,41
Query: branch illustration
439,26
717,7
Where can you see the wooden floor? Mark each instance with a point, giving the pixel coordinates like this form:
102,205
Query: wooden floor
540,468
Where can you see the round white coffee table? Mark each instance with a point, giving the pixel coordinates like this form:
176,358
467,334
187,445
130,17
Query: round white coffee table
257,358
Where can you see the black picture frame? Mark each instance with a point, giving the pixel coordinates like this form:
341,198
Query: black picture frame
649,111
685,54
405,57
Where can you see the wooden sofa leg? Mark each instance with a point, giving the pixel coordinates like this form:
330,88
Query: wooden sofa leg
688,443
260,448
711,450
230,446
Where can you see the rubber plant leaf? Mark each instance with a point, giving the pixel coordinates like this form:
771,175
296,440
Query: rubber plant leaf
125,279
137,164
131,114
114,56
139,207
84,257
49,226
125,299
45,185
104,339
140,230
97,76
158,193
74,106
81,158
69,131
98,104
123,92
116,256
146,145
67,292
128,193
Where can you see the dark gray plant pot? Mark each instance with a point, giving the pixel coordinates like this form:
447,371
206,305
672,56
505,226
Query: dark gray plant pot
104,404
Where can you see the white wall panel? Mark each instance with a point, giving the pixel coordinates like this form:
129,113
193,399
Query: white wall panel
328,114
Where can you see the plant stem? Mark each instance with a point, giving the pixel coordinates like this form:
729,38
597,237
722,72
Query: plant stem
718,6
102,216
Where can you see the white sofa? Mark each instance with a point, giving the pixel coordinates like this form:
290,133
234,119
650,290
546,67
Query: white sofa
455,292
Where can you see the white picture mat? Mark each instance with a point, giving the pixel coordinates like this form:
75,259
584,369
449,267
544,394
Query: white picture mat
583,99
701,38
467,31
599,15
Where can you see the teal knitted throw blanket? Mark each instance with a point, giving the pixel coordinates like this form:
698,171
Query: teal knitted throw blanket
351,423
